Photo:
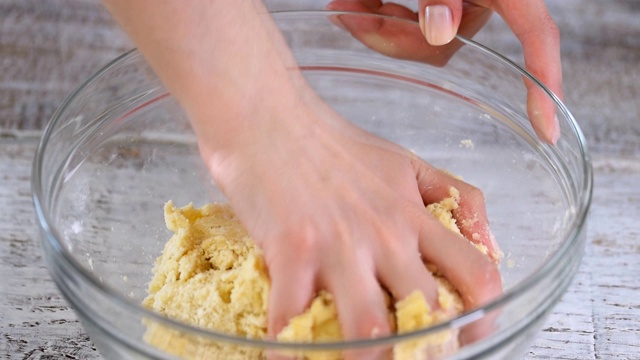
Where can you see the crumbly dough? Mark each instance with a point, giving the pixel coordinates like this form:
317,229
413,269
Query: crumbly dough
211,275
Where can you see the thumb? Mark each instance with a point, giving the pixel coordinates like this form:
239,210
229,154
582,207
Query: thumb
439,20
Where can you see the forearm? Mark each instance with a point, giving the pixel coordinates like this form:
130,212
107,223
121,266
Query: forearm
223,60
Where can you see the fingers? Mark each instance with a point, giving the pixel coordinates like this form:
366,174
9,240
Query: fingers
366,6
292,289
471,216
531,23
396,39
470,271
404,40
479,329
402,271
475,277
373,7
361,307
355,5
390,37
441,20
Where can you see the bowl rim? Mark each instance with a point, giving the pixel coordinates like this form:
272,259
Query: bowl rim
551,263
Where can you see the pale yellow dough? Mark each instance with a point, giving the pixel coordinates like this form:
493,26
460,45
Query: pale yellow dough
211,275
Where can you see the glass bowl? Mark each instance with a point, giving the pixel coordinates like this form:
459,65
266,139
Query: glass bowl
120,146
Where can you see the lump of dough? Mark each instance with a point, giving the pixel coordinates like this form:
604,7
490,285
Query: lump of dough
211,275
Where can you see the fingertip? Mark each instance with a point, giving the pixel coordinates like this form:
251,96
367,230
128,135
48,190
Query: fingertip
553,135
488,289
286,302
540,39
479,329
333,6
495,253
472,221
362,319
543,117
361,307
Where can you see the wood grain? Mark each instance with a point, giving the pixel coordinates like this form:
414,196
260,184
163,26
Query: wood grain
35,321
600,45
47,48
599,316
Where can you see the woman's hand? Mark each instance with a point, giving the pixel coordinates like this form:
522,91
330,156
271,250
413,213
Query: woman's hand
441,20
334,207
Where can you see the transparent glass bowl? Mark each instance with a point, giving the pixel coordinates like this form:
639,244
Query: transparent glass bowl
119,147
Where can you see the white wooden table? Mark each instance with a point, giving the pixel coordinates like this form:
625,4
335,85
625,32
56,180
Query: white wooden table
47,48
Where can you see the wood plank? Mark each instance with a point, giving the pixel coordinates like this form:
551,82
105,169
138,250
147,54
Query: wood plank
47,48
35,321
597,318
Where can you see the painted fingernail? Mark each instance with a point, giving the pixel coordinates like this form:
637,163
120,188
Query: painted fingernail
438,24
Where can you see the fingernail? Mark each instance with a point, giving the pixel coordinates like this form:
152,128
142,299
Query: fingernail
547,129
555,131
496,254
438,24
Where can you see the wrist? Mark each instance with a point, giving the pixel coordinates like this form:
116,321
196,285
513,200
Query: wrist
241,128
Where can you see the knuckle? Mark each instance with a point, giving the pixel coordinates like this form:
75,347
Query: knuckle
550,27
545,28
304,245
473,195
393,249
304,237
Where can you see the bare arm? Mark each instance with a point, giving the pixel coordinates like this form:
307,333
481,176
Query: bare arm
220,59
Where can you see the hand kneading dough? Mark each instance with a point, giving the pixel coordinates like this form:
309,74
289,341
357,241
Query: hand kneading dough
211,275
